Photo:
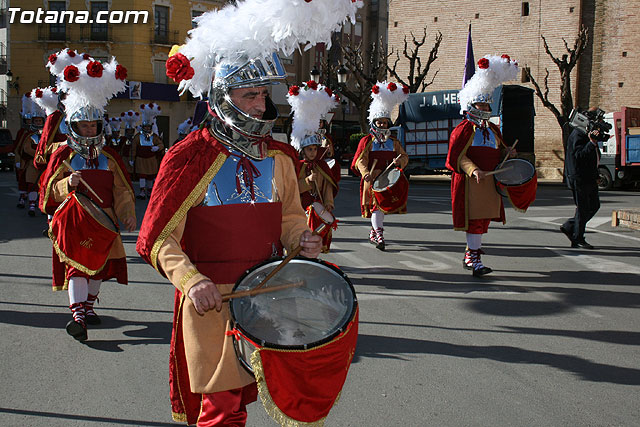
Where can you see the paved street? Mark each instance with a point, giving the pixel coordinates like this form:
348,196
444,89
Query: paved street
551,338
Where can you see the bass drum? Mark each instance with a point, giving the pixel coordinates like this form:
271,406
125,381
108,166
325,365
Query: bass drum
518,181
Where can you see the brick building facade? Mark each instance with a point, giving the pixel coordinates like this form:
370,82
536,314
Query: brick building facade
606,75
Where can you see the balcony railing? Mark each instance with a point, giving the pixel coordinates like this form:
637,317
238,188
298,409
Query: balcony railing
60,33
96,33
165,37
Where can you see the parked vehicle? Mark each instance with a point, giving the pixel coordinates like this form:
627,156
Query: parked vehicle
620,159
6,156
427,119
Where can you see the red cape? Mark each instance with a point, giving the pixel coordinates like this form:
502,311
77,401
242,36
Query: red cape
49,135
55,166
459,141
364,142
181,178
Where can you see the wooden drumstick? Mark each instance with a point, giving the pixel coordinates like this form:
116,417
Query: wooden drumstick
498,170
83,181
256,291
392,163
507,155
364,193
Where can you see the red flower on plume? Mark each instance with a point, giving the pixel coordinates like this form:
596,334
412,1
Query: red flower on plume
137,114
86,56
392,86
94,69
52,58
159,108
54,89
28,94
329,91
151,105
405,89
375,89
38,93
336,97
122,114
179,68
142,106
71,53
121,72
307,1
294,90
311,84
483,63
71,73
130,113
506,57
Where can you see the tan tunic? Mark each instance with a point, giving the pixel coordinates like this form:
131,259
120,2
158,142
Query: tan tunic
321,184
211,359
148,165
124,205
28,152
483,199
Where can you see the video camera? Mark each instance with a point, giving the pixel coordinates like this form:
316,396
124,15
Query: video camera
589,120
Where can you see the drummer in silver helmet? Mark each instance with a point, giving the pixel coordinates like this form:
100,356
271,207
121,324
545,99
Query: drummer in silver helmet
225,199
375,152
89,85
476,148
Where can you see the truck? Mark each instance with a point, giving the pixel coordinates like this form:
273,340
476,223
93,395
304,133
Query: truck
427,119
620,155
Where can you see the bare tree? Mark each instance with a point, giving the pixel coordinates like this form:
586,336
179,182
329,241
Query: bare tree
416,80
566,63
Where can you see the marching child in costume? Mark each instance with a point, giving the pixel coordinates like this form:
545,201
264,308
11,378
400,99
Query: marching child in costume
475,148
315,179
28,152
146,145
130,119
375,152
84,168
114,125
23,134
184,129
52,134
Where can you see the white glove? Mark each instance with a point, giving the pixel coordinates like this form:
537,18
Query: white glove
155,148
18,165
131,162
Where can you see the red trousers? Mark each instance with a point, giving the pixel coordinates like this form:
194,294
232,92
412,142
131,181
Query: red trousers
227,408
478,226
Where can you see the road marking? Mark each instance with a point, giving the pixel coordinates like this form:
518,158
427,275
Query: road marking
596,263
551,221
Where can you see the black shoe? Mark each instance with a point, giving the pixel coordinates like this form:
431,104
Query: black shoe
76,330
20,204
45,232
380,246
568,234
583,245
93,319
32,212
479,272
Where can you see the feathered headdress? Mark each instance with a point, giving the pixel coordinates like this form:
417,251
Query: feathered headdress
184,127
130,119
253,29
114,124
492,71
46,98
60,60
90,84
308,104
36,109
27,108
149,112
385,96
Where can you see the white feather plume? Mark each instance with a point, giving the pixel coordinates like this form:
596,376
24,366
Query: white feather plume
386,99
114,124
26,105
485,80
48,101
256,28
65,57
90,91
184,127
130,119
308,107
149,112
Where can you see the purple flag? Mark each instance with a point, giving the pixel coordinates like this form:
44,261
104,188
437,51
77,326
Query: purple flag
470,62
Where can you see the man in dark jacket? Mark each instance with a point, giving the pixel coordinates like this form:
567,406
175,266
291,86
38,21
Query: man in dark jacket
581,169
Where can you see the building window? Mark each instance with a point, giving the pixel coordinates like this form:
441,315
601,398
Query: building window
624,54
98,31
161,25
571,9
435,19
525,8
195,14
620,84
525,75
57,31
477,16
159,71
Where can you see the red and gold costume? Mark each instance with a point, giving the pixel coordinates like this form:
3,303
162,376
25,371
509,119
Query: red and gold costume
188,241
112,183
471,200
146,159
363,160
21,136
50,139
323,190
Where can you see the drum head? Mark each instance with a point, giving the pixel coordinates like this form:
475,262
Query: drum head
330,162
386,179
517,172
298,317
96,212
322,213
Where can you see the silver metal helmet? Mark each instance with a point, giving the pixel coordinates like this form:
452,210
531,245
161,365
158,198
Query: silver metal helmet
234,126
381,134
315,139
477,116
87,146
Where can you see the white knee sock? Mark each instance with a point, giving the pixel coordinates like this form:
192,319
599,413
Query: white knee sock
94,286
143,183
474,241
78,290
33,196
377,219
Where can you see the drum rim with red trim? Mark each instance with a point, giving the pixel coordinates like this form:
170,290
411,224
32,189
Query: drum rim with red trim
506,164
